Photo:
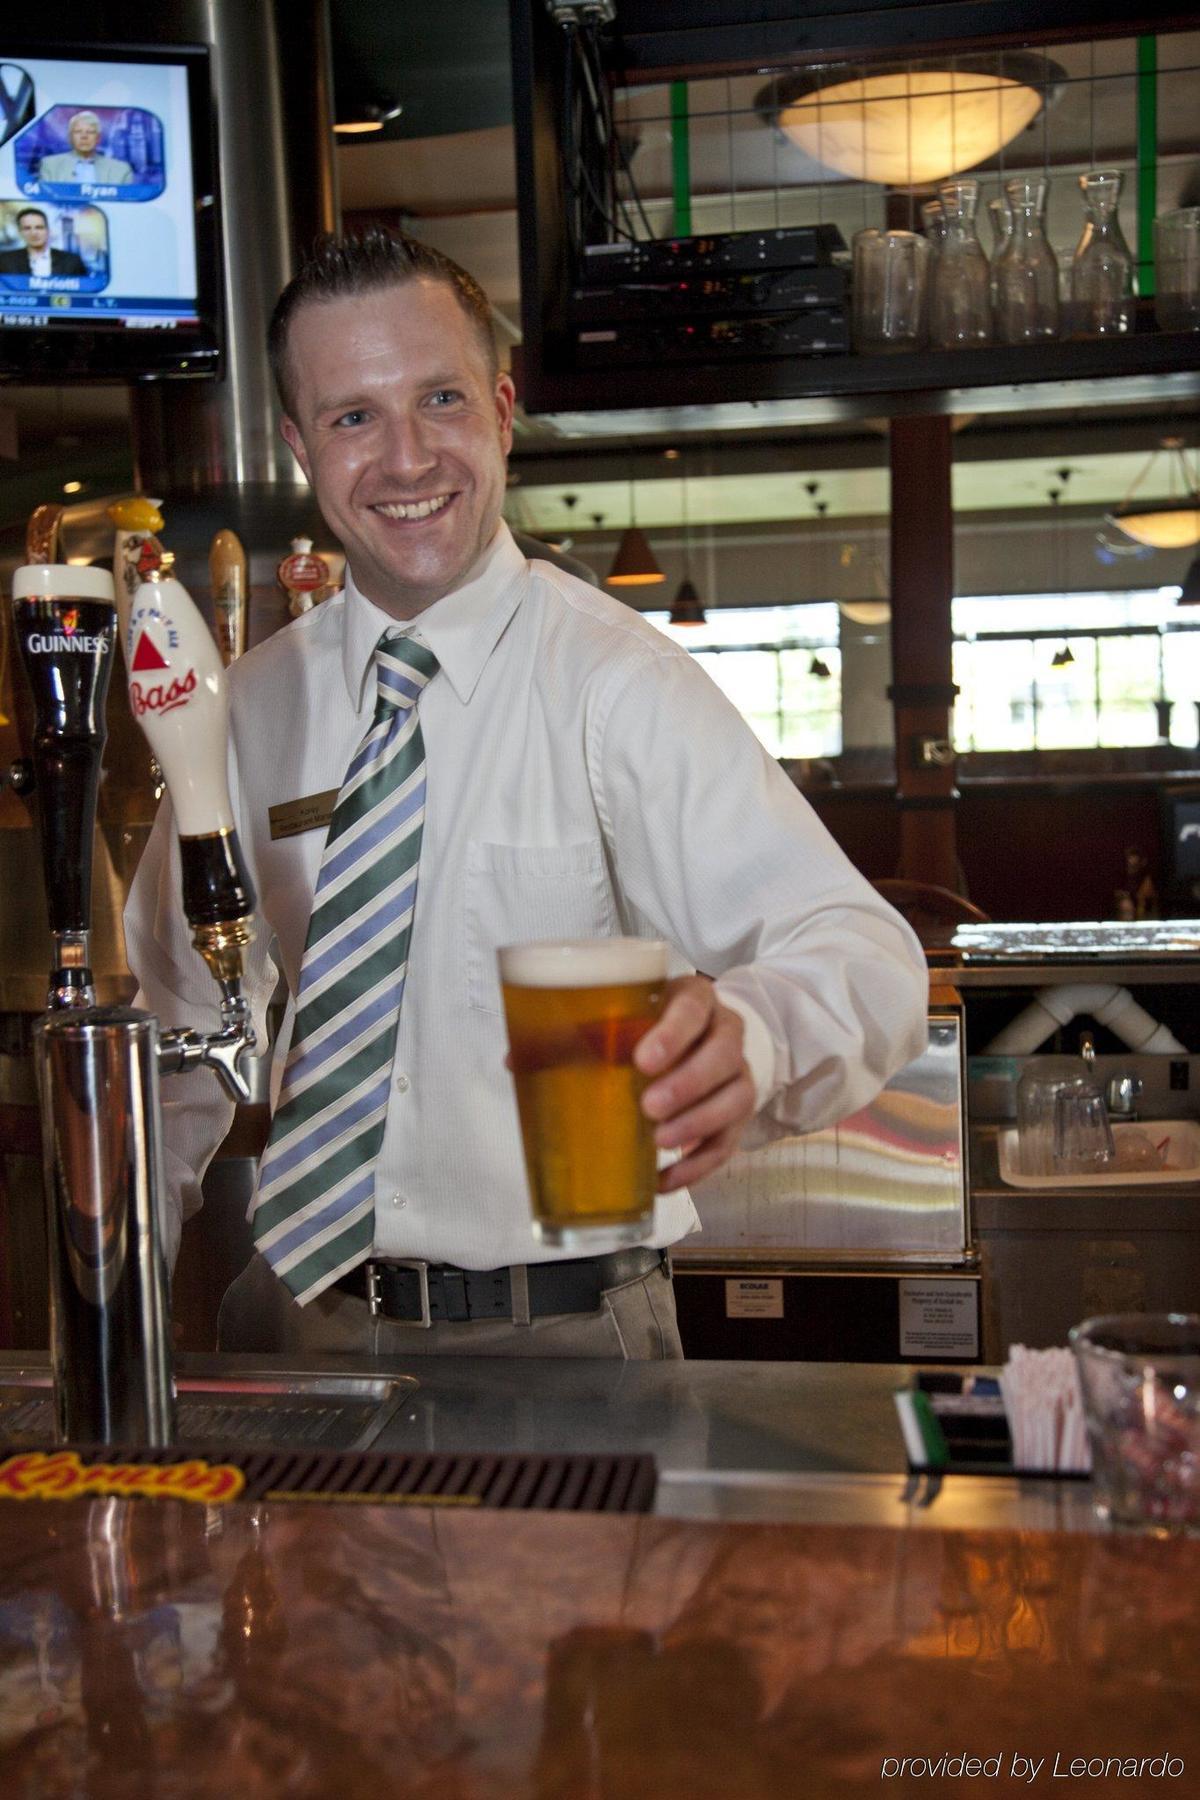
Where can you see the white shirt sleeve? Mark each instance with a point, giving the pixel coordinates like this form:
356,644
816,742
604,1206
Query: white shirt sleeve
715,849
175,985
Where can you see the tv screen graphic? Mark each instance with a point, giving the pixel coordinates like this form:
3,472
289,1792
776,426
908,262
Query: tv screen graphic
107,212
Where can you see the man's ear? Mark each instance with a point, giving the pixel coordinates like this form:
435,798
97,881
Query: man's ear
289,431
506,400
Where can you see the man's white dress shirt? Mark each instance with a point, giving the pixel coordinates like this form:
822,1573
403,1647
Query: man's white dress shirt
585,778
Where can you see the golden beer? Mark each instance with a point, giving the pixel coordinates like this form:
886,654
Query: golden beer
575,1011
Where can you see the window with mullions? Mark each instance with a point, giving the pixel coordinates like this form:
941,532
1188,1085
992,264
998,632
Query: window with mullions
781,667
1078,671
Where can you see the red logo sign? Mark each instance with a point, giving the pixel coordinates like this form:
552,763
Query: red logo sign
70,619
147,655
302,572
162,699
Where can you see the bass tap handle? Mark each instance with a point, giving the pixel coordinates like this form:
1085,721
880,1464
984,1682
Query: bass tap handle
179,693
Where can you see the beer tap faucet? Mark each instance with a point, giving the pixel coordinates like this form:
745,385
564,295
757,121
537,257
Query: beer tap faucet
99,1066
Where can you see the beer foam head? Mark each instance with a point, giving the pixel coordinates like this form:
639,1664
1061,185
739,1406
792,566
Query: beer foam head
61,581
583,962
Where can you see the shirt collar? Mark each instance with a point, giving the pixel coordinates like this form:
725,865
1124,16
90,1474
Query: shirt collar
462,628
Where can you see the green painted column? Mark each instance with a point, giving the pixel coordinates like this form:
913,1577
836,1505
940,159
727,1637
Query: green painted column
681,161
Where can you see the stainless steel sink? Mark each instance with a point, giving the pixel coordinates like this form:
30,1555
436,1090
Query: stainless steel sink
284,1409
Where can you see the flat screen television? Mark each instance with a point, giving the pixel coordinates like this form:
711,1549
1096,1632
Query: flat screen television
108,217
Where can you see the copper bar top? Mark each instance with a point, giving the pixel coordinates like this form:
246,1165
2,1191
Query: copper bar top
168,1649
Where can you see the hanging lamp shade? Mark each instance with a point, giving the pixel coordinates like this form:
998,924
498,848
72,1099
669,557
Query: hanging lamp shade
912,124
687,608
1162,524
865,612
1189,593
1171,524
634,564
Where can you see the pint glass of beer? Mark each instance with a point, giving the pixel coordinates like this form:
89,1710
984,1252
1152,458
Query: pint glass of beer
575,1010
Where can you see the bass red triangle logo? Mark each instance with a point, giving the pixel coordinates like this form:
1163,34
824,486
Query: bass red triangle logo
147,656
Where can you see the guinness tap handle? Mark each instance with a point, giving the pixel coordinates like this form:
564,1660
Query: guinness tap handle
66,624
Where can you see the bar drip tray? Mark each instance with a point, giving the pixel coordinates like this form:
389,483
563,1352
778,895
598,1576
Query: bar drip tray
282,1410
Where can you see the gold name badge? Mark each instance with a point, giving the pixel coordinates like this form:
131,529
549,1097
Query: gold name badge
296,816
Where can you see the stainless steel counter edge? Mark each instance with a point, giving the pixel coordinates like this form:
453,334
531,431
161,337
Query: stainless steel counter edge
801,1442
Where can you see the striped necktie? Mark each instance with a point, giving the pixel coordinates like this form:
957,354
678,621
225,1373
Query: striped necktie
314,1210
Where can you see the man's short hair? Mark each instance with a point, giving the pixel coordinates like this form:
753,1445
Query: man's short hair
91,117
365,262
33,212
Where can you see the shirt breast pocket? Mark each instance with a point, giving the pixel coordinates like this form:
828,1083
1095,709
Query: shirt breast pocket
522,894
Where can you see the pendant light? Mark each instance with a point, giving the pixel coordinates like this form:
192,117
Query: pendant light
687,608
1172,524
914,123
634,564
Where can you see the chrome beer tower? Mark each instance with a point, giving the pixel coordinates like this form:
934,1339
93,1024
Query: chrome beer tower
99,1066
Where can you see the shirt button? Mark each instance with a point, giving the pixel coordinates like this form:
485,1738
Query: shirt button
399,1200
402,1084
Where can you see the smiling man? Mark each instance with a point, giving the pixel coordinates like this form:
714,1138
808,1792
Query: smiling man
562,770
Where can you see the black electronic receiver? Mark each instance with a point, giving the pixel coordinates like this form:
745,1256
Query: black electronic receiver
816,331
768,290
788,247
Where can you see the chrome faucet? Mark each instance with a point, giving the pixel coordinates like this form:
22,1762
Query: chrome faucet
99,1066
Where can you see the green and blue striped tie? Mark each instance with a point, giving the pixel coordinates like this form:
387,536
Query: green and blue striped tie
314,1209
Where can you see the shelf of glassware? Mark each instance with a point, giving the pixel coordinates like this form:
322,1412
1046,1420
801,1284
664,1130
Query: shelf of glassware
1145,366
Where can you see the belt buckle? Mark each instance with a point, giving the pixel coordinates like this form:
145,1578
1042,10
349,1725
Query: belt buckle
423,1277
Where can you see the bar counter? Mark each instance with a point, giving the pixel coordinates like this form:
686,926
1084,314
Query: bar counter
169,1648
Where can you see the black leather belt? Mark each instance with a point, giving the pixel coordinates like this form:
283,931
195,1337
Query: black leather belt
422,1293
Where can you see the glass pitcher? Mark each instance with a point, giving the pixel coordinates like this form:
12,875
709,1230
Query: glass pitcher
960,309
1000,220
1102,267
1026,271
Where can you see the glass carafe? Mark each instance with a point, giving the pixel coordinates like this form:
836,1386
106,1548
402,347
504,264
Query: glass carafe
1102,267
933,222
960,310
1000,220
1026,271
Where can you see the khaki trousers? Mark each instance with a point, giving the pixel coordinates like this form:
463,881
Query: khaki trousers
258,1316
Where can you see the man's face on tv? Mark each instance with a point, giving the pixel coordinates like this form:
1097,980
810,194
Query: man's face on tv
34,229
84,135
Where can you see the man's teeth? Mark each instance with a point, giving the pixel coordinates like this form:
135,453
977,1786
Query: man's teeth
420,509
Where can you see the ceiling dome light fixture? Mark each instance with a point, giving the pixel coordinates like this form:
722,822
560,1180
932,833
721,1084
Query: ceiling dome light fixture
634,564
1171,524
911,124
